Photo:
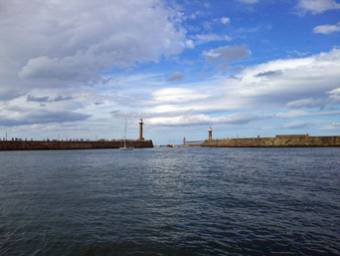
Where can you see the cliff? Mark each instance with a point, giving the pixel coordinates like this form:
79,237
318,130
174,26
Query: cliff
61,145
278,141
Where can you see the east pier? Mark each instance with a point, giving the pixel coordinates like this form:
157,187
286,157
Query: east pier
290,140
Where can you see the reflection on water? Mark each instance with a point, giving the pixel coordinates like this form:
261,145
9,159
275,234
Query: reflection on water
183,201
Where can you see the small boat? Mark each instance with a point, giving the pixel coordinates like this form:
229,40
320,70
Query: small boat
125,147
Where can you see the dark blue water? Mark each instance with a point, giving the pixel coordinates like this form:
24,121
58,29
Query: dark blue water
170,202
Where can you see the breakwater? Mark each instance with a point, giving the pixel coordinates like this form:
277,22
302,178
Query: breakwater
277,141
62,145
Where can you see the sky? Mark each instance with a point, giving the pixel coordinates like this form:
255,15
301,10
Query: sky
82,68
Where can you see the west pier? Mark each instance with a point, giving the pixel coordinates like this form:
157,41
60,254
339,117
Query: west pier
48,144
74,144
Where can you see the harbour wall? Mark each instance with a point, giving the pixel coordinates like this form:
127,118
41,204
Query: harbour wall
277,141
62,145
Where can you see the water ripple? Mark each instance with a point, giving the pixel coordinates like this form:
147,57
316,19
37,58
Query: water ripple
185,201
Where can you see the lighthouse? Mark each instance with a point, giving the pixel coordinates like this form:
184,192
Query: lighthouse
210,134
141,132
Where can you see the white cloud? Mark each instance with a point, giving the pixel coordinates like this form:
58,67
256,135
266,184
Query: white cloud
177,95
49,43
335,94
68,45
227,53
298,125
291,113
285,86
289,87
189,44
41,117
317,6
327,29
305,103
200,119
211,37
51,51
249,1
303,113
225,20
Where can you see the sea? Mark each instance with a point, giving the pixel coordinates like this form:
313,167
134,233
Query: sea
170,201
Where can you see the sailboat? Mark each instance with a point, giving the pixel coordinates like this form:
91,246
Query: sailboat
125,147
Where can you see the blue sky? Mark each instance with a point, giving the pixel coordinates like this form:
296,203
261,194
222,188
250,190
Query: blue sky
78,69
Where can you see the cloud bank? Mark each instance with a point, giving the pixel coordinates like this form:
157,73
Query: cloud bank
327,29
318,6
81,65
55,43
298,83
49,45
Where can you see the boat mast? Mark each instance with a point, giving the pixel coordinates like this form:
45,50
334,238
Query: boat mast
125,131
